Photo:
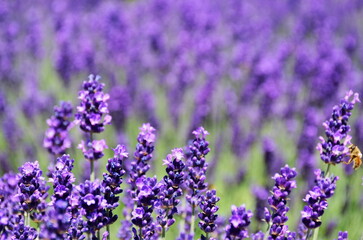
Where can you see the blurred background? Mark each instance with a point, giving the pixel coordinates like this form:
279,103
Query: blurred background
261,77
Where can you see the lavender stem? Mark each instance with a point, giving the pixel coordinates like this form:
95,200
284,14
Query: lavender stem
316,233
92,175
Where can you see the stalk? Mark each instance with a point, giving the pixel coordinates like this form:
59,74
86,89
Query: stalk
192,220
92,175
108,230
316,233
308,234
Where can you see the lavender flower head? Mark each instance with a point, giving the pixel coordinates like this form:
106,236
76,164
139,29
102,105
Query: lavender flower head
197,165
93,206
56,138
342,236
170,188
208,216
142,155
335,148
284,183
238,223
93,110
146,196
112,180
32,190
93,150
316,199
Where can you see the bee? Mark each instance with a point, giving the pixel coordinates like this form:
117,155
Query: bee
355,156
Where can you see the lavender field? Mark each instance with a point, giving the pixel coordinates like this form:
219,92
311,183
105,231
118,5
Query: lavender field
181,120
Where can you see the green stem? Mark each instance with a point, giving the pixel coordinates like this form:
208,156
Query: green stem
207,236
267,231
140,233
192,221
163,233
326,172
316,233
108,230
308,234
98,235
92,175
27,218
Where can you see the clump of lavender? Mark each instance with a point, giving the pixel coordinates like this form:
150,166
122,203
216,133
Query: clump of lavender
32,191
8,206
335,148
22,231
238,223
93,110
146,196
284,183
316,199
56,138
208,216
93,206
342,236
112,181
92,117
197,167
170,189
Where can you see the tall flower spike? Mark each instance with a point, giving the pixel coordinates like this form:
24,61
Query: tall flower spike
335,148
238,223
112,181
208,216
93,109
56,138
284,183
170,189
316,200
195,180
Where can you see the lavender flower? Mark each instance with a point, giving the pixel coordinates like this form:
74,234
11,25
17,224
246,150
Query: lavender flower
170,189
342,236
60,216
93,110
22,231
93,206
112,181
197,165
258,236
335,148
32,190
93,150
143,155
146,196
316,200
207,216
284,183
238,223
56,138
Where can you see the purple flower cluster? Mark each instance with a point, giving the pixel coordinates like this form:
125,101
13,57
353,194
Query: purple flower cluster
284,183
146,197
208,216
56,138
342,236
316,199
93,206
93,150
93,110
335,148
197,165
32,191
112,181
142,155
238,223
170,189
